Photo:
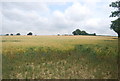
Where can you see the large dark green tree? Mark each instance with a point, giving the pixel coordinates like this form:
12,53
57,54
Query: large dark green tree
84,33
76,32
18,34
30,33
116,23
79,32
116,26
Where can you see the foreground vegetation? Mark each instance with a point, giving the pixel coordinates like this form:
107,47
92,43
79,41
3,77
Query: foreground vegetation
59,57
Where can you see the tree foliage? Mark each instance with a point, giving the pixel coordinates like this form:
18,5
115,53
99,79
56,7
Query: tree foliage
7,34
117,12
116,26
116,23
30,33
84,33
18,34
11,34
79,32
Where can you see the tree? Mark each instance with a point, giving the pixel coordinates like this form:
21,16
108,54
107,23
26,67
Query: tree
94,34
7,34
116,23
18,34
79,32
11,34
117,12
116,26
30,33
84,33
76,32
58,34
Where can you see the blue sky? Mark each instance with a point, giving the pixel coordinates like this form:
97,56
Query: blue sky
51,18
61,6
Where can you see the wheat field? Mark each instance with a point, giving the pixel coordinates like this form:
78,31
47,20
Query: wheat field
59,57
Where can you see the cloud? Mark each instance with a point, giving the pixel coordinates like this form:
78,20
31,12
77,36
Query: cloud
26,20
0,18
77,12
42,19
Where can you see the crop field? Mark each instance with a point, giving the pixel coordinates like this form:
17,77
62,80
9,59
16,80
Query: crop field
59,57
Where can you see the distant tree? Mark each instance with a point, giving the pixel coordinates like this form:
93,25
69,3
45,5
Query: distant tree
58,34
11,34
83,33
30,33
76,32
94,34
7,34
79,32
18,34
116,23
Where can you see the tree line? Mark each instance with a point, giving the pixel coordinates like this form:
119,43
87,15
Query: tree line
30,33
76,32
79,32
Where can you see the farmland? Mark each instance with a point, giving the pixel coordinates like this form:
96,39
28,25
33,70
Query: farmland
59,57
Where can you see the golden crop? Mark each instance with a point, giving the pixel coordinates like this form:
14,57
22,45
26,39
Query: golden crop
59,57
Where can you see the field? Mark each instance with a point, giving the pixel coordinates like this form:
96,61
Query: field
59,57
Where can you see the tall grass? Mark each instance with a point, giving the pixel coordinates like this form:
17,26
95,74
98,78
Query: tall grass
59,57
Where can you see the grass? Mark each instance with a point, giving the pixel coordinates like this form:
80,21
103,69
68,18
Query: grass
59,57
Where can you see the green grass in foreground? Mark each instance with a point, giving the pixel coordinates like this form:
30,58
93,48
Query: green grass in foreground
80,58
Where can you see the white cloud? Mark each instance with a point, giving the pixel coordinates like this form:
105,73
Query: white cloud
89,15
37,0
95,22
0,18
77,12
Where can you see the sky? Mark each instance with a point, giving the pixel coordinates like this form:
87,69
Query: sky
52,17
